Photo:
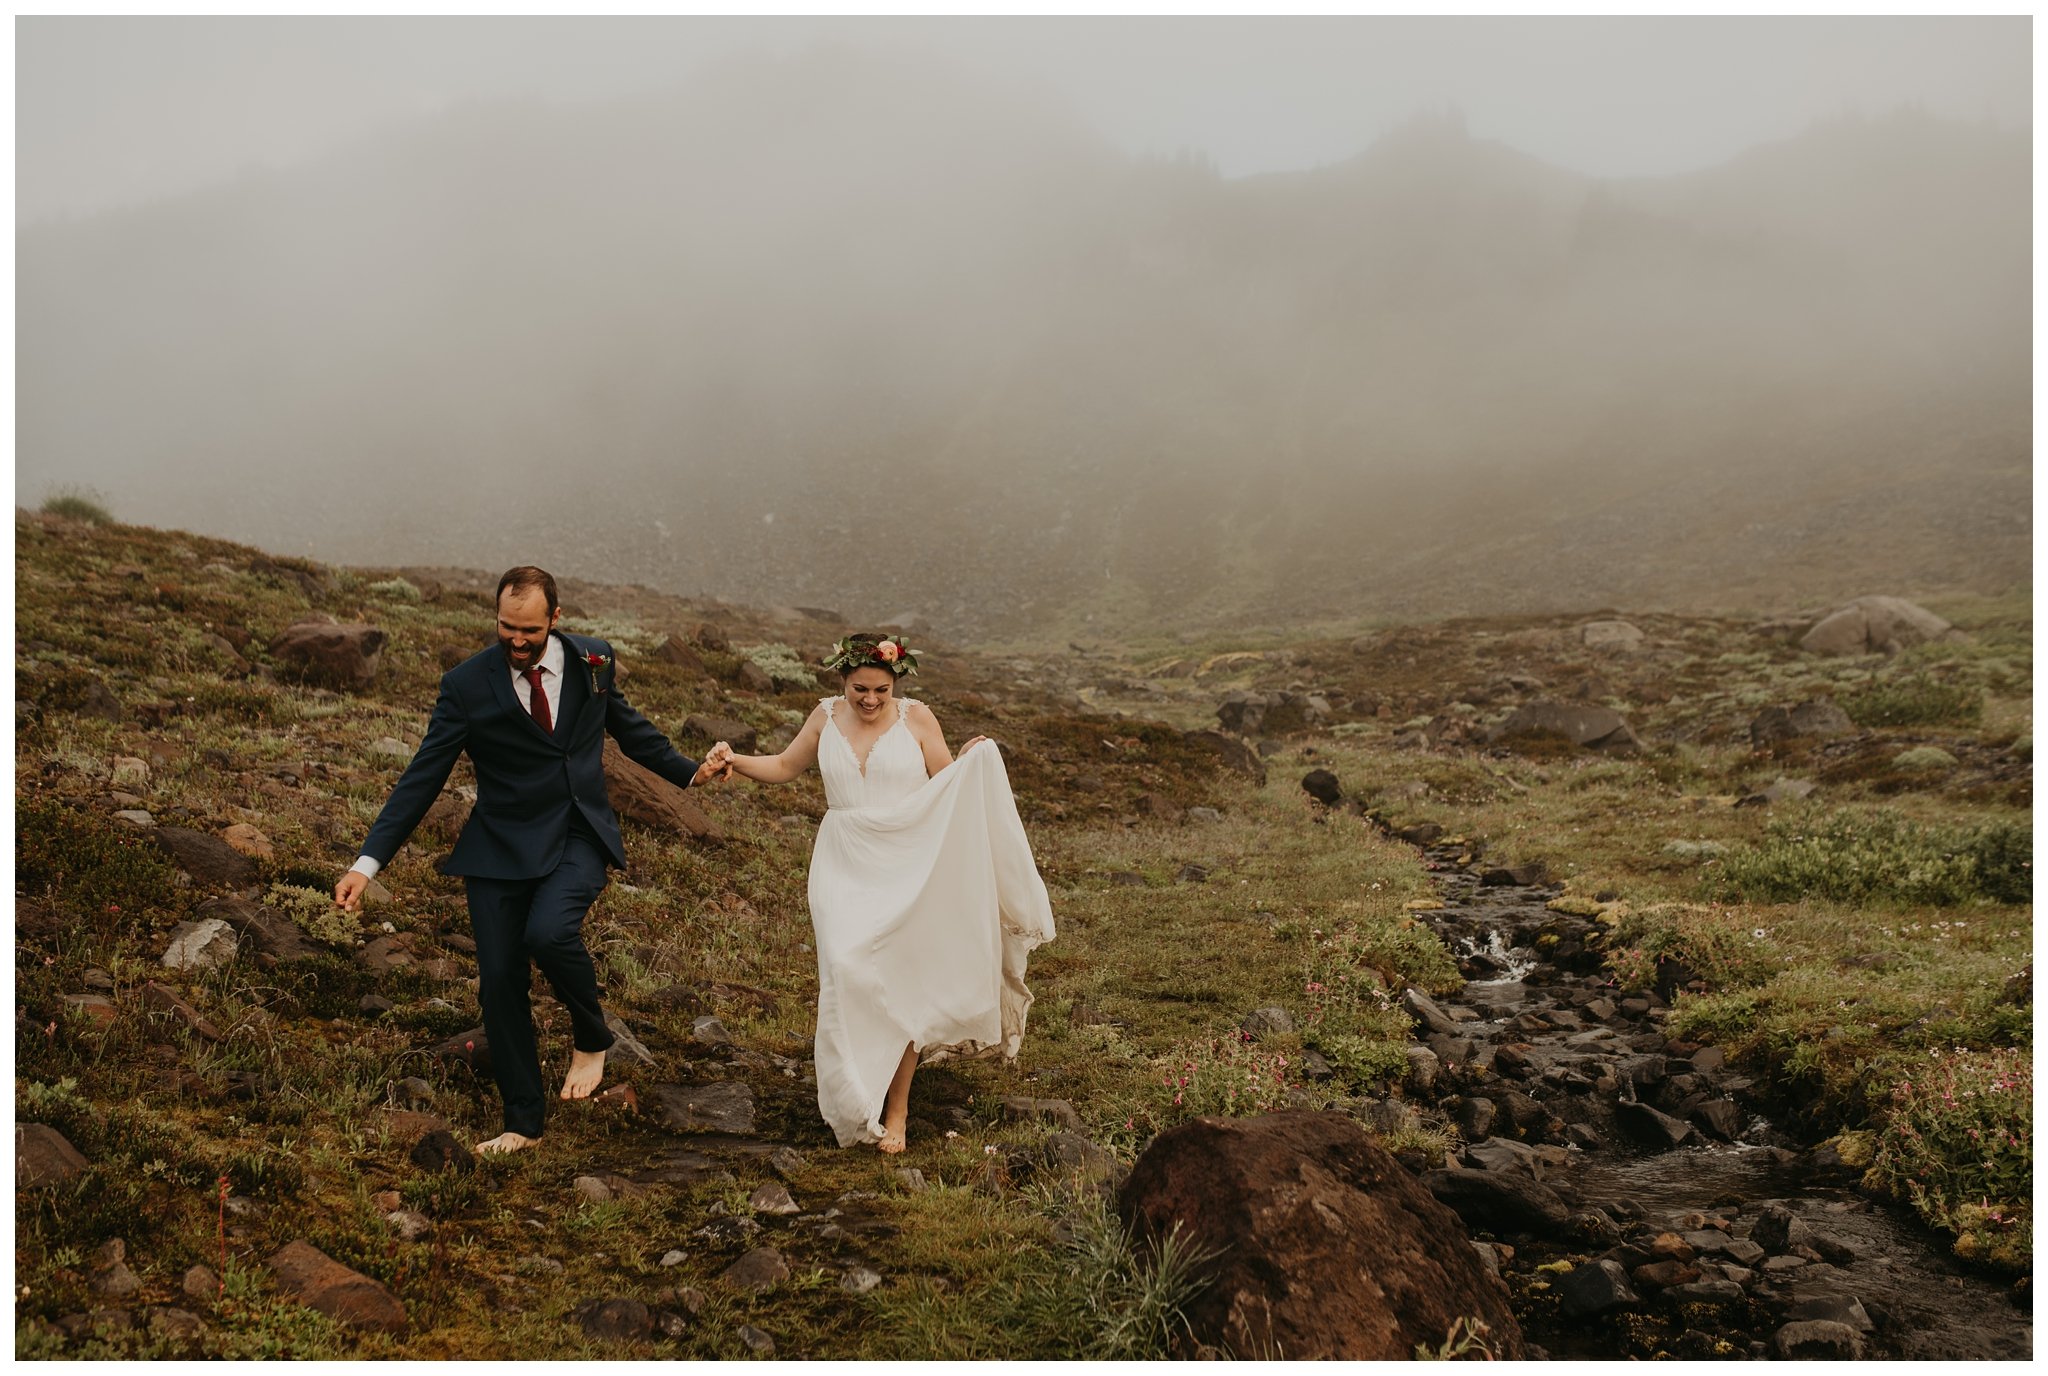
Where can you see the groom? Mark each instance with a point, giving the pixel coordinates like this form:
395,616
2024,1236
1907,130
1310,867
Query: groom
532,711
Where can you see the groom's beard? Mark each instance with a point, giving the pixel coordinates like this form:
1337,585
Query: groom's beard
519,661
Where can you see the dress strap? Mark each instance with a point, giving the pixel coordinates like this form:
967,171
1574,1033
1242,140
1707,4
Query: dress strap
827,704
902,708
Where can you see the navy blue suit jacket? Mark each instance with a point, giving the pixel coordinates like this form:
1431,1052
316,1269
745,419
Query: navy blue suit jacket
527,779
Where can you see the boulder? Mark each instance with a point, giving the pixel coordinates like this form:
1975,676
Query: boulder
1875,625
1595,728
1499,1202
757,1270
1325,1246
207,944
743,738
348,1297
615,1320
1613,636
1018,1109
1424,1010
44,1156
653,801
679,652
1818,1340
330,655
1321,785
249,841
1270,1021
1650,1127
208,859
1233,753
1595,1288
1819,717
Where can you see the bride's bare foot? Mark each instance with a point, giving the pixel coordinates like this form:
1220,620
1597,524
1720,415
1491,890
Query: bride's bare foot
896,1104
893,1137
504,1144
586,1071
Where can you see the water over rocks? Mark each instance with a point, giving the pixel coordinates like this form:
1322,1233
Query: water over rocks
1635,1174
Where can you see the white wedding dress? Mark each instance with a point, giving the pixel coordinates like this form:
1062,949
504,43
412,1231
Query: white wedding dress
925,901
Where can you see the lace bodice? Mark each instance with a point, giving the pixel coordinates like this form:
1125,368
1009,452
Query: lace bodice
895,763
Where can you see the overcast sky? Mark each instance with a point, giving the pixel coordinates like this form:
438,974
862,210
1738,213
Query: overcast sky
111,110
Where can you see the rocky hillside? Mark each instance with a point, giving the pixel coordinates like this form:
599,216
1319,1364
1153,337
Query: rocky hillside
819,307
1522,917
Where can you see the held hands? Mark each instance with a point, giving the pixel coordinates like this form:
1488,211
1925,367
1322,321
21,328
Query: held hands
717,765
348,890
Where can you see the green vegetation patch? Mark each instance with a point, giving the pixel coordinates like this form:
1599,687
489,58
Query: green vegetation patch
1915,701
1880,858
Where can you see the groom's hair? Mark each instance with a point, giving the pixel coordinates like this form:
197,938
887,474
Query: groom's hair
527,576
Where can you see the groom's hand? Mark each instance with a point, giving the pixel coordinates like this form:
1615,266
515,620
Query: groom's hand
348,891
717,764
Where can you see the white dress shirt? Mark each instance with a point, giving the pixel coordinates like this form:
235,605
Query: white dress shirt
552,661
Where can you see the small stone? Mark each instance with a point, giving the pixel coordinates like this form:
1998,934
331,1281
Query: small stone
391,748
95,1006
387,1200
785,1162
410,1224
439,1151
1818,1339
709,1031
911,1178
773,1199
1019,1109
1191,873
859,1280
249,841
674,1256
1704,1292
135,816
1595,1288
1269,1021
160,997
204,945
616,1320
375,1004
758,1270
130,774
1779,1265
754,1338
1195,814
201,1283
346,1296
591,1189
169,1323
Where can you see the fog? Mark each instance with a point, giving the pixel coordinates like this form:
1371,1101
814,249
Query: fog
1029,326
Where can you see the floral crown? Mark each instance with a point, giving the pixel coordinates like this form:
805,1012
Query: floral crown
865,651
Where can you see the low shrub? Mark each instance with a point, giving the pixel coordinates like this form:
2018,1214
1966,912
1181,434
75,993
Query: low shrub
79,504
1915,701
1877,859
94,867
1957,1145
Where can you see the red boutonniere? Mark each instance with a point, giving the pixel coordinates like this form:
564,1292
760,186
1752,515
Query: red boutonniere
596,663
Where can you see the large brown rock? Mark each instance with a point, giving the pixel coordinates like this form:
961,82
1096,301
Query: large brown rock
320,1282
208,859
330,654
1820,717
1875,625
739,735
651,800
270,931
1326,1247
1232,752
44,1156
1596,728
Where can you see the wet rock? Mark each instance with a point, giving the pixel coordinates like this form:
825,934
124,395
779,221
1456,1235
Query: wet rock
1500,1154
1649,1126
1425,1010
1597,1287
774,1200
1523,1112
1743,1251
1329,1248
1774,1266
44,1157
724,1107
439,1151
616,1321
1842,1309
200,946
1492,1201
1704,1292
1421,833
1660,1275
624,1043
1423,1070
1322,785
324,1284
1504,876
761,1269
1719,1119
1269,1021
1512,1058
1475,1118
1777,1229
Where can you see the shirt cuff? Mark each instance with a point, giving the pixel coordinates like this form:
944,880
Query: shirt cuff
366,866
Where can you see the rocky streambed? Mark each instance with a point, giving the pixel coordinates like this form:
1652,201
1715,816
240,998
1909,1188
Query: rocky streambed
1629,1188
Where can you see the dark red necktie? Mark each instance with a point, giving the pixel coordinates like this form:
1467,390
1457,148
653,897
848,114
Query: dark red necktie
537,702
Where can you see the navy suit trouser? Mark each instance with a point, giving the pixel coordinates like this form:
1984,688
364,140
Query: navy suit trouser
520,923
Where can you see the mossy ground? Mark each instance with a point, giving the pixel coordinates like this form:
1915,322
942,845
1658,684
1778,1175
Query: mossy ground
1138,998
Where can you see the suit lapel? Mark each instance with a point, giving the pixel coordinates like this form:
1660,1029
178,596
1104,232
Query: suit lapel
575,688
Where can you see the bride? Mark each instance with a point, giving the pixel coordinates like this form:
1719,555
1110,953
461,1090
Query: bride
924,896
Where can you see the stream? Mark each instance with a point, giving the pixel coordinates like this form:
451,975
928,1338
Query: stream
1698,1228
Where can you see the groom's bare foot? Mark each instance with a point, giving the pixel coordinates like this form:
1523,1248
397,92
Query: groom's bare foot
586,1070
504,1144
